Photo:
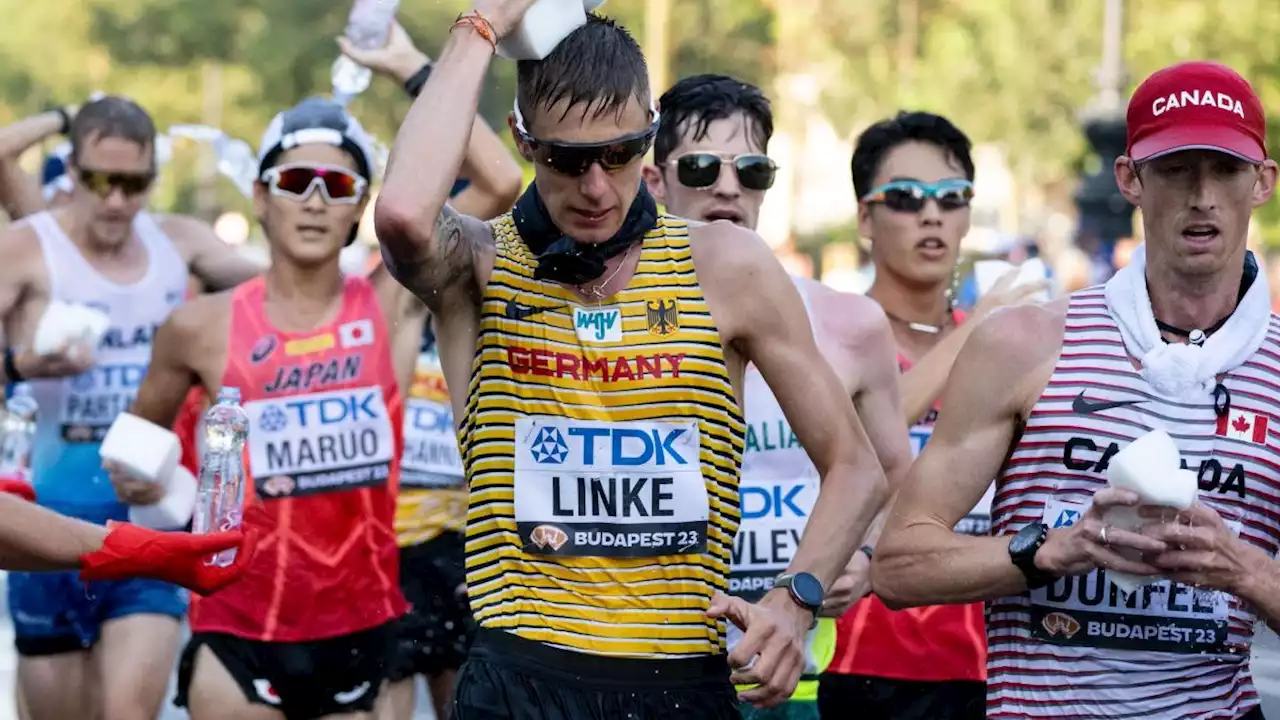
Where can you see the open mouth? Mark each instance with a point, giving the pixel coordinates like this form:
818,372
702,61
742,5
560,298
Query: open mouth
732,216
1200,232
932,244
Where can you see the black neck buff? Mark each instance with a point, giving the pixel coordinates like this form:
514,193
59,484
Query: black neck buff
564,260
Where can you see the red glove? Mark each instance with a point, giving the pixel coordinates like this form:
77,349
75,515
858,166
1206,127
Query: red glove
18,486
177,557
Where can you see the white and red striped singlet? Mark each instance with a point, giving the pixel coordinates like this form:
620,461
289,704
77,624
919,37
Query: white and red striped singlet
1080,648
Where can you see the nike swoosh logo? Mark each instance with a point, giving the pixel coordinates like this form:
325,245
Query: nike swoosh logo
1080,406
517,311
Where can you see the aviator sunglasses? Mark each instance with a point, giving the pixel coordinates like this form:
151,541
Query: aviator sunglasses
103,183
338,186
702,170
575,159
910,195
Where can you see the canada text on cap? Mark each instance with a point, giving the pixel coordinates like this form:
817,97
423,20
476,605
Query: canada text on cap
1196,106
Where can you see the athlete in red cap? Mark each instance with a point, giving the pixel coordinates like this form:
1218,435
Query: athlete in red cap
1044,396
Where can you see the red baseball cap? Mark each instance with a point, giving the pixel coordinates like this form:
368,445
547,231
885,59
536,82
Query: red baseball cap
1196,106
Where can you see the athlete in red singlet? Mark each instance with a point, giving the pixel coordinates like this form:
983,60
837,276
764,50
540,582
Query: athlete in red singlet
913,175
308,630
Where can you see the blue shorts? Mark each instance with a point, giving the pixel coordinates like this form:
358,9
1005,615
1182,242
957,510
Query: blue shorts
54,612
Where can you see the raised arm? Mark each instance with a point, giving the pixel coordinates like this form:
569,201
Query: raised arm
217,264
920,559
438,253
20,192
494,176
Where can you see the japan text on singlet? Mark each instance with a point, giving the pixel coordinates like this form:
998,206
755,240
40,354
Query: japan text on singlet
1168,651
324,444
936,643
778,489
602,446
75,412
433,494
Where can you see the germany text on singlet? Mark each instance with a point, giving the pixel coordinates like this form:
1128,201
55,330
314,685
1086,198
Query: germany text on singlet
324,446
433,495
1168,651
602,445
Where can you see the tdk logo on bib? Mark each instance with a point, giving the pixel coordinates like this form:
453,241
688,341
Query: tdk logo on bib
320,411
610,445
775,501
429,418
598,325
1066,518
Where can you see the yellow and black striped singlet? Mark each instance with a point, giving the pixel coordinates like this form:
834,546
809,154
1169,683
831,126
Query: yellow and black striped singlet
602,444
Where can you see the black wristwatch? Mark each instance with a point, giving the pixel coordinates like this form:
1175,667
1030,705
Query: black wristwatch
1022,551
805,589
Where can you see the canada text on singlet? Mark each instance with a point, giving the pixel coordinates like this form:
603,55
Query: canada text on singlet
1167,651
602,445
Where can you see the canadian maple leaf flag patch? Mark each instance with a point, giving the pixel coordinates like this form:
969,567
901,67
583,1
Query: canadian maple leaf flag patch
1247,426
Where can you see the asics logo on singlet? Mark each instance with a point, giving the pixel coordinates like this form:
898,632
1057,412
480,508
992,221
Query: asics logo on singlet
1081,406
618,446
519,311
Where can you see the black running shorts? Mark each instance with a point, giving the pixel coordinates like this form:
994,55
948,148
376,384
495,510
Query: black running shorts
302,680
510,678
434,636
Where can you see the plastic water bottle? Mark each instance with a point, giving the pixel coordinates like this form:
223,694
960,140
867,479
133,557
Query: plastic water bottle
19,433
368,26
220,501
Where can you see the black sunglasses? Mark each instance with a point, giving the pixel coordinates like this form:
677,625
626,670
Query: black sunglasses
910,195
102,183
702,170
575,159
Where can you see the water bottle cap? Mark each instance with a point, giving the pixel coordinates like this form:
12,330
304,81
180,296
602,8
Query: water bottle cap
229,394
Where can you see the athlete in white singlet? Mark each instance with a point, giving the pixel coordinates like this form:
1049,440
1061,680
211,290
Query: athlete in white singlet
100,250
711,165
1181,340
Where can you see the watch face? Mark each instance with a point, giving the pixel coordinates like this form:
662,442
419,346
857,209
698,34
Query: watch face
808,589
1024,539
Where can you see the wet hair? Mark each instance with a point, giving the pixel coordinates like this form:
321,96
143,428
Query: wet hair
692,104
112,117
596,70
876,141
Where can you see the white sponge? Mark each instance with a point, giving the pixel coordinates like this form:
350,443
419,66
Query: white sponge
544,25
141,448
1150,467
66,325
174,511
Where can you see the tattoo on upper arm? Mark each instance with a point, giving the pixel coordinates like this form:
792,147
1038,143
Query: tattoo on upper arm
450,242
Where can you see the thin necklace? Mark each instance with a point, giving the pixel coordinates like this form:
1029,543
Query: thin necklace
917,326
597,291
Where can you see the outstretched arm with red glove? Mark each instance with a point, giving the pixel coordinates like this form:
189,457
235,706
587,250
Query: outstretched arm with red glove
33,539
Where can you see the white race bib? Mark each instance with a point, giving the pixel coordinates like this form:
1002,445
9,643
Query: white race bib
431,458
94,398
774,514
1090,611
319,442
609,489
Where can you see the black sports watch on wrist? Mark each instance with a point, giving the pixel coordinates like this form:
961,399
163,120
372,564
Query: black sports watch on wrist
1022,551
805,590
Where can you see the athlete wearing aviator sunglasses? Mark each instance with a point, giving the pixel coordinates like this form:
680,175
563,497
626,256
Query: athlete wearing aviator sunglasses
567,319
